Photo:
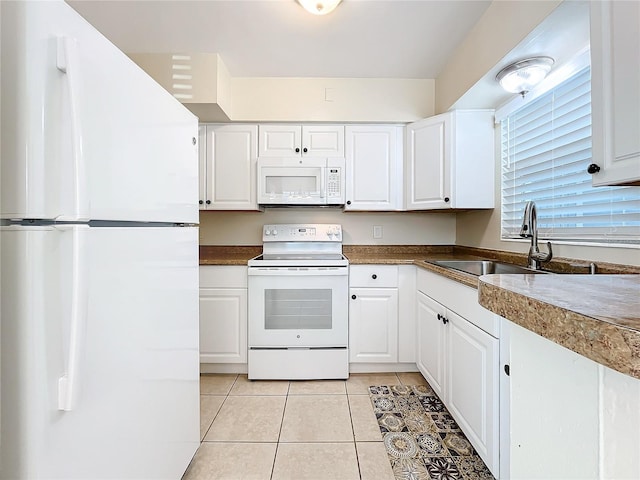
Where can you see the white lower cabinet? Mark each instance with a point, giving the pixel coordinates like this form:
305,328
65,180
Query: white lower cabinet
373,314
431,342
223,314
472,384
460,360
570,417
373,325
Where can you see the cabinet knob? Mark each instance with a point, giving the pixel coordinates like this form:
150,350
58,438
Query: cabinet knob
348,202
374,276
297,150
208,202
593,168
193,140
507,370
200,202
446,199
305,150
353,297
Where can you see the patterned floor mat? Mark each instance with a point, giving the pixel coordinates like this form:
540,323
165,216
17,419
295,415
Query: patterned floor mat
422,439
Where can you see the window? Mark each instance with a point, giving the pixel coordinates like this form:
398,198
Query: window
545,149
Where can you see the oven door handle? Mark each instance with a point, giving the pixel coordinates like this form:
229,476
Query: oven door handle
298,271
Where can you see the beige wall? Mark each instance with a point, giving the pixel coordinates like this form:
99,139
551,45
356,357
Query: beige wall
245,228
332,99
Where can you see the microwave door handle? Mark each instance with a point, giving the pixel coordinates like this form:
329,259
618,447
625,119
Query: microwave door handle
323,175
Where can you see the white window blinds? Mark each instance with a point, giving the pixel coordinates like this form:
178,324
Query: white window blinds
546,148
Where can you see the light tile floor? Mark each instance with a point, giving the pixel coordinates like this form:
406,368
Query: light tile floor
279,430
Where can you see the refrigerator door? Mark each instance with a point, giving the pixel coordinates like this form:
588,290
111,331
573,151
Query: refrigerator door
86,133
100,372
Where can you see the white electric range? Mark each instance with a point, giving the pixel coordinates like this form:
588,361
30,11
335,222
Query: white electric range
298,304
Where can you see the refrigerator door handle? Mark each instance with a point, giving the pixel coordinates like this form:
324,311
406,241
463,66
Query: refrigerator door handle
67,63
77,294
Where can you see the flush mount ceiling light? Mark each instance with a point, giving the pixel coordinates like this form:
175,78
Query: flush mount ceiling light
520,77
319,7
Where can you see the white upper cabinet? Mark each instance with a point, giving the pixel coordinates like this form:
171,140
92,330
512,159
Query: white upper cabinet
373,167
202,167
229,167
301,140
615,93
450,161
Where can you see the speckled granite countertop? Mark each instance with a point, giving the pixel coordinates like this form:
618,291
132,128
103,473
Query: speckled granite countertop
597,316
227,255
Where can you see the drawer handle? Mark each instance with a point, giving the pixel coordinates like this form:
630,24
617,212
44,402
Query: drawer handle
353,297
374,276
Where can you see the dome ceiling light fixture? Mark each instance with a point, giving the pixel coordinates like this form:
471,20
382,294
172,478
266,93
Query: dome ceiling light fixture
521,76
319,7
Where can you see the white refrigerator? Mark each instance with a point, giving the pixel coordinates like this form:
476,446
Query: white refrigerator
99,372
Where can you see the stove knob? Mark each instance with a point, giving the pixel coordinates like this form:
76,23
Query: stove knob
274,232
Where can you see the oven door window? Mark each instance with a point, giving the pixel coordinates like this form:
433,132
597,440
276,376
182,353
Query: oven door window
287,309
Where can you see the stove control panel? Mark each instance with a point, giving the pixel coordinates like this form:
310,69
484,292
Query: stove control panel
317,232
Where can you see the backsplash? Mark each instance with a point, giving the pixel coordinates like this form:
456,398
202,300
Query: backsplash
395,228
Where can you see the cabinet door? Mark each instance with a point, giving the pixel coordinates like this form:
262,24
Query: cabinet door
373,167
373,325
428,163
554,395
431,342
223,325
203,201
323,140
472,386
407,314
231,167
280,140
615,92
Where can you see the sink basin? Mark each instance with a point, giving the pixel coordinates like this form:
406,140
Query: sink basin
484,267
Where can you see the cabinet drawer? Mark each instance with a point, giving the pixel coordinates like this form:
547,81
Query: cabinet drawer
384,276
223,276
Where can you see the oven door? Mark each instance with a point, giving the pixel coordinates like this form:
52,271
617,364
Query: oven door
298,307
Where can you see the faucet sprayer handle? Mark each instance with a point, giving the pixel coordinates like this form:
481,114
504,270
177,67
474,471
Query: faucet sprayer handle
543,257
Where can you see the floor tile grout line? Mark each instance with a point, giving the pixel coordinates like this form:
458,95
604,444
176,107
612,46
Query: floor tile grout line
353,432
220,408
284,409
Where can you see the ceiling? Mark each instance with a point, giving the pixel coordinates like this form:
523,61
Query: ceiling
277,38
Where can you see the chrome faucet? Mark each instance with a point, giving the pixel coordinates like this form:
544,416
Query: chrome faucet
530,229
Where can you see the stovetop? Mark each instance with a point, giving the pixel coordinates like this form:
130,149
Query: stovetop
295,260
301,245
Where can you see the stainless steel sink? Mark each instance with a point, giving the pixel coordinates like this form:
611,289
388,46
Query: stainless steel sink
484,267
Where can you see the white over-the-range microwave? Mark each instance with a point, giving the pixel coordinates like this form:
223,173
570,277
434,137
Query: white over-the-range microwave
301,181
